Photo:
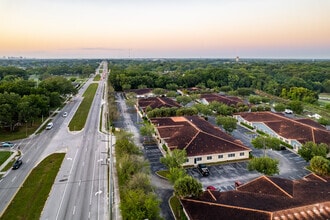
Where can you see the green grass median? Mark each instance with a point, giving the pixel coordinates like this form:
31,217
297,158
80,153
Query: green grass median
31,197
79,119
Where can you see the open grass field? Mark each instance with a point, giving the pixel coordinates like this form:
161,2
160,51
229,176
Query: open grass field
79,119
30,199
4,155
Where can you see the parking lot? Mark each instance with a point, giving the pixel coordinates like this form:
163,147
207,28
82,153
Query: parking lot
223,176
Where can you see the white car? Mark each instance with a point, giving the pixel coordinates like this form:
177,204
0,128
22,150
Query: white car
64,114
49,126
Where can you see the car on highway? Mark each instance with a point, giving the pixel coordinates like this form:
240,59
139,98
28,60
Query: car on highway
203,169
65,114
49,126
7,144
17,163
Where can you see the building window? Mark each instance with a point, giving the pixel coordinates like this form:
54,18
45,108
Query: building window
187,160
209,157
220,156
241,154
198,159
231,155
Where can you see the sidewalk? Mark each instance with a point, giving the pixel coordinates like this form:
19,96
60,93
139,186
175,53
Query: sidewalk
114,196
12,156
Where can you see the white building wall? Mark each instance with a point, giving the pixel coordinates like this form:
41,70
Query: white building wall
214,158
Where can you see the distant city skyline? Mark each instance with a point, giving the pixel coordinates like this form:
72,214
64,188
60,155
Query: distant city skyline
283,29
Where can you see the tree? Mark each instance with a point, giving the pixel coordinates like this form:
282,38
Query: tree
174,158
296,106
176,173
320,165
263,142
228,123
136,204
265,165
311,149
187,187
147,129
183,100
158,91
140,181
279,107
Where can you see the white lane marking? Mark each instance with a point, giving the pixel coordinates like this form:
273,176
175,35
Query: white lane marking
69,158
74,210
66,185
91,195
27,160
98,192
79,182
100,160
14,179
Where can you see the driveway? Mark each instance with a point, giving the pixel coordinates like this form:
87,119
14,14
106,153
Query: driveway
130,121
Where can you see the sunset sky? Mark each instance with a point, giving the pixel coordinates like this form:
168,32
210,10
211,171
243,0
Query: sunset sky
165,28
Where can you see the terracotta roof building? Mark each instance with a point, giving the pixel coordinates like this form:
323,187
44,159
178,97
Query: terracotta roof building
292,131
156,102
265,198
228,100
203,142
142,93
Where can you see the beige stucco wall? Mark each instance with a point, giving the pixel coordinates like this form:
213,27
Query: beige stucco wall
215,159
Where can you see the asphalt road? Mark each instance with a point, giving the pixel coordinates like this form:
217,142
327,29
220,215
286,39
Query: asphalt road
80,189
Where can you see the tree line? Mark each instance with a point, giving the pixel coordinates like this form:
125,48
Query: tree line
274,77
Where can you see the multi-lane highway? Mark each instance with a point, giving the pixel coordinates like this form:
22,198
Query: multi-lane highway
80,190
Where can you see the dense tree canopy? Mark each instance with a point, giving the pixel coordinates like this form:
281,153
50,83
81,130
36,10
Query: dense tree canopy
311,149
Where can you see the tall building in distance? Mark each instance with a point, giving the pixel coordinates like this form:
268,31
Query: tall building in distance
237,59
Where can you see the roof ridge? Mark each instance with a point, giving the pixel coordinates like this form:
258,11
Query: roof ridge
224,139
211,194
317,176
162,101
277,186
227,206
295,121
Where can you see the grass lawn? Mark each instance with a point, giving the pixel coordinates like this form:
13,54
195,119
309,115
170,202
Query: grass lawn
177,208
30,199
97,77
22,132
4,155
79,119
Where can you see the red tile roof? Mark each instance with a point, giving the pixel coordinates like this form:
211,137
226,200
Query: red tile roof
265,198
140,91
302,130
228,100
195,135
157,102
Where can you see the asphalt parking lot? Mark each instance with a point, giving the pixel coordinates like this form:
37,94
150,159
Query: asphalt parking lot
223,176
153,155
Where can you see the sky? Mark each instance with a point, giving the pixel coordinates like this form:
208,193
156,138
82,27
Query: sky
165,29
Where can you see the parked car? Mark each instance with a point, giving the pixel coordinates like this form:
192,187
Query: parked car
49,126
17,163
65,114
238,183
7,144
203,169
212,188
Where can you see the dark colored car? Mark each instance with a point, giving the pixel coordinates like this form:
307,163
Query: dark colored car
203,169
238,183
17,163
